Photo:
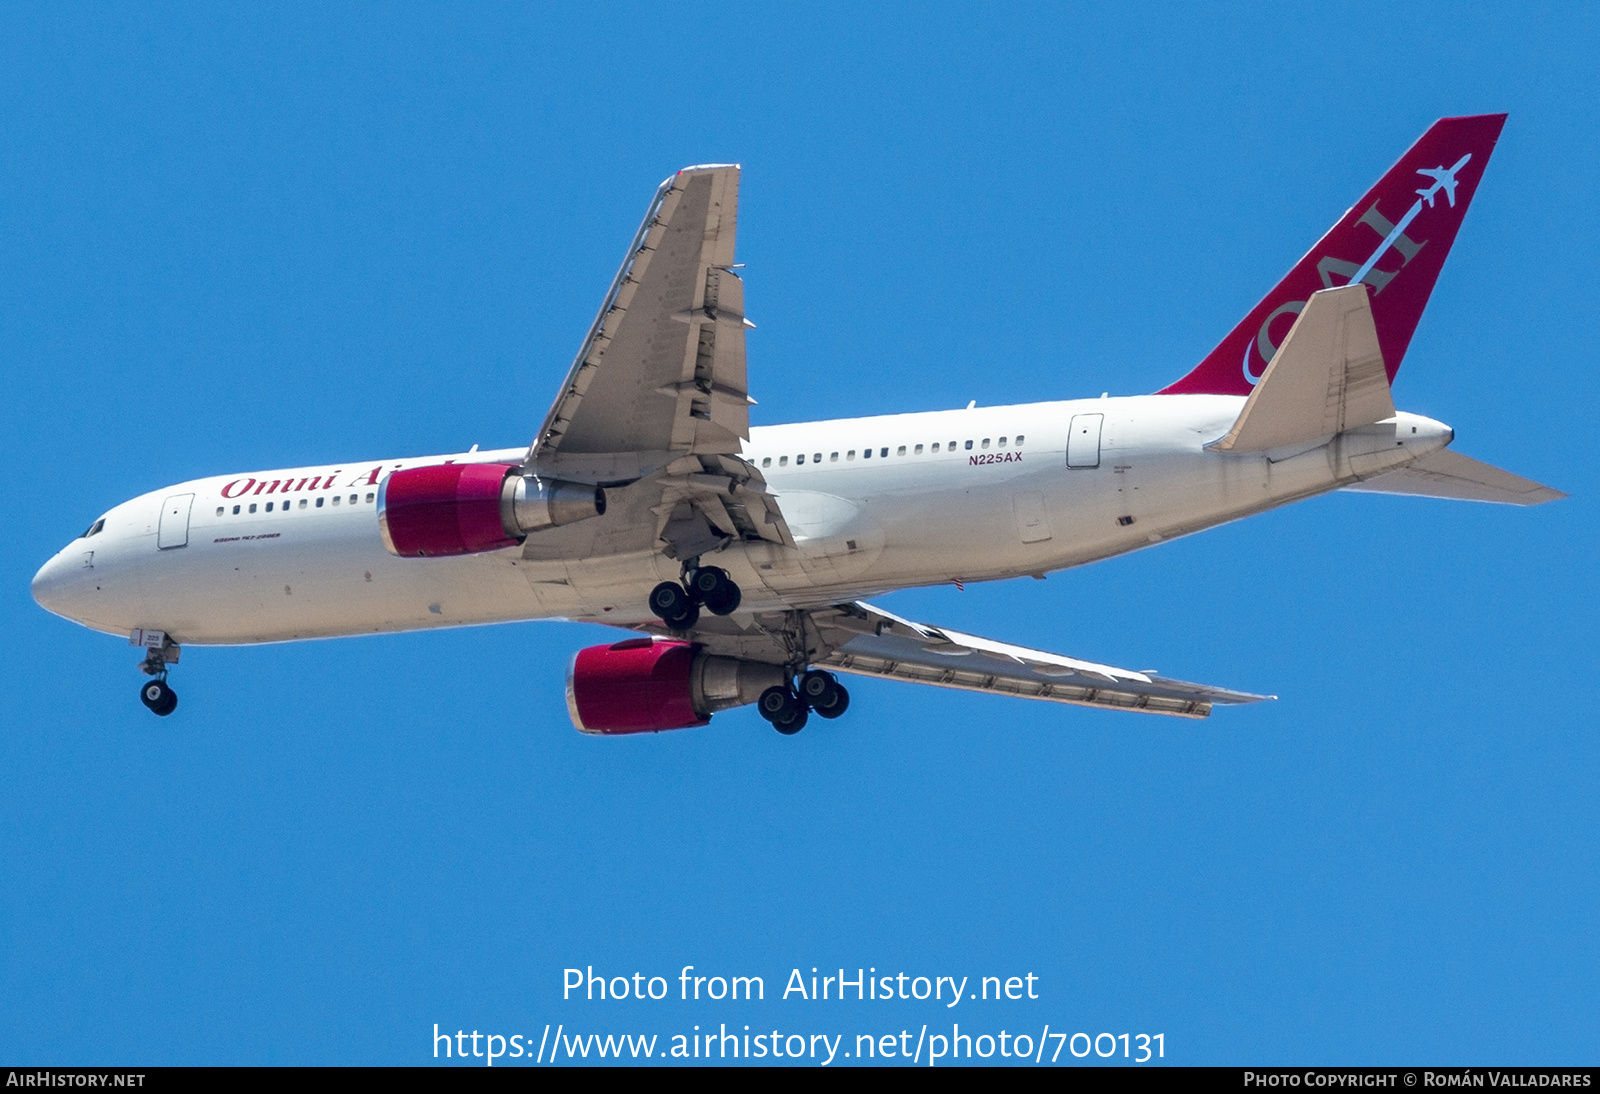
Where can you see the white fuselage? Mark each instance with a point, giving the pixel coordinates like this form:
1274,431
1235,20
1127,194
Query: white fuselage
964,495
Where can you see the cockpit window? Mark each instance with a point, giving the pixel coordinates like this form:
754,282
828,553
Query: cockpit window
95,529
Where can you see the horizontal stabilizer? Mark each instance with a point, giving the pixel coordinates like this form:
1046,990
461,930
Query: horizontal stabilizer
1447,474
1327,377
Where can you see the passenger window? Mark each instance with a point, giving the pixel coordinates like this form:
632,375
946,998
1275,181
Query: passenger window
986,442
354,498
833,457
336,499
866,453
235,510
1002,443
766,462
369,499
219,513
319,504
302,503
783,461
884,453
269,507
252,507
919,450
850,455
1019,440
816,457
800,459
936,446
951,446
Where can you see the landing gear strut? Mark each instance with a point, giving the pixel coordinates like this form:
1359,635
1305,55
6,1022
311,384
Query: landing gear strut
678,605
817,691
159,652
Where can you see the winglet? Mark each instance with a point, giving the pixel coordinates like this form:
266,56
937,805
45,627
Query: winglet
1327,377
1395,238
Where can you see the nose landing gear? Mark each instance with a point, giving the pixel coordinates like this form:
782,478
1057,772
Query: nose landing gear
158,697
678,605
159,652
788,710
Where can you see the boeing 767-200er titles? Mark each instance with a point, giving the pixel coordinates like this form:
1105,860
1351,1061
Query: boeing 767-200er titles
740,556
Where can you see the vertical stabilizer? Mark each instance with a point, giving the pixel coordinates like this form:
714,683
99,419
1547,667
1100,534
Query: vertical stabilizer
1395,239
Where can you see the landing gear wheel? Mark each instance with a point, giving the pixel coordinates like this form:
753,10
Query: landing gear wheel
711,586
780,707
158,697
776,702
841,703
793,725
690,616
669,601
824,694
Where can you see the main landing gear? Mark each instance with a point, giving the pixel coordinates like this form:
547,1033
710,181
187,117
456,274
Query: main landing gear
679,605
159,652
789,708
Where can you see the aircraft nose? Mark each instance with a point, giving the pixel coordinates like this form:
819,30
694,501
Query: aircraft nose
49,585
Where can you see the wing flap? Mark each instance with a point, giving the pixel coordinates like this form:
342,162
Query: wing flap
1447,474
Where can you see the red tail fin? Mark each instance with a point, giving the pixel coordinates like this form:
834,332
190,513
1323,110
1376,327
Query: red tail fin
1395,239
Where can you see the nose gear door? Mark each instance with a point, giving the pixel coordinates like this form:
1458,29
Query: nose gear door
173,530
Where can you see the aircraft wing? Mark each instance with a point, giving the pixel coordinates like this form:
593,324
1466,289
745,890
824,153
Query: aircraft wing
656,406
863,640
662,368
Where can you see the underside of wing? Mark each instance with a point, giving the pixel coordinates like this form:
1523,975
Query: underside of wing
662,368
860,639
656,407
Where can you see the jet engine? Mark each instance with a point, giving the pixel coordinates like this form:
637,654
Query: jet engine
464,508
643,686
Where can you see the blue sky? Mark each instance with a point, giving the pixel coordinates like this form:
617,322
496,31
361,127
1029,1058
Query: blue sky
255,237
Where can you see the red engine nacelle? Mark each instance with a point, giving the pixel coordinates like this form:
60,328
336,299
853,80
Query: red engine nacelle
464,508
643,685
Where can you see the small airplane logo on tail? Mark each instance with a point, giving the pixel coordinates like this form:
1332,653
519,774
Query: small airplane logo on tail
1443,179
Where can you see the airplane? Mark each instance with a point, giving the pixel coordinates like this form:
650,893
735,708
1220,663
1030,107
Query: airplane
1443,178
742,558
